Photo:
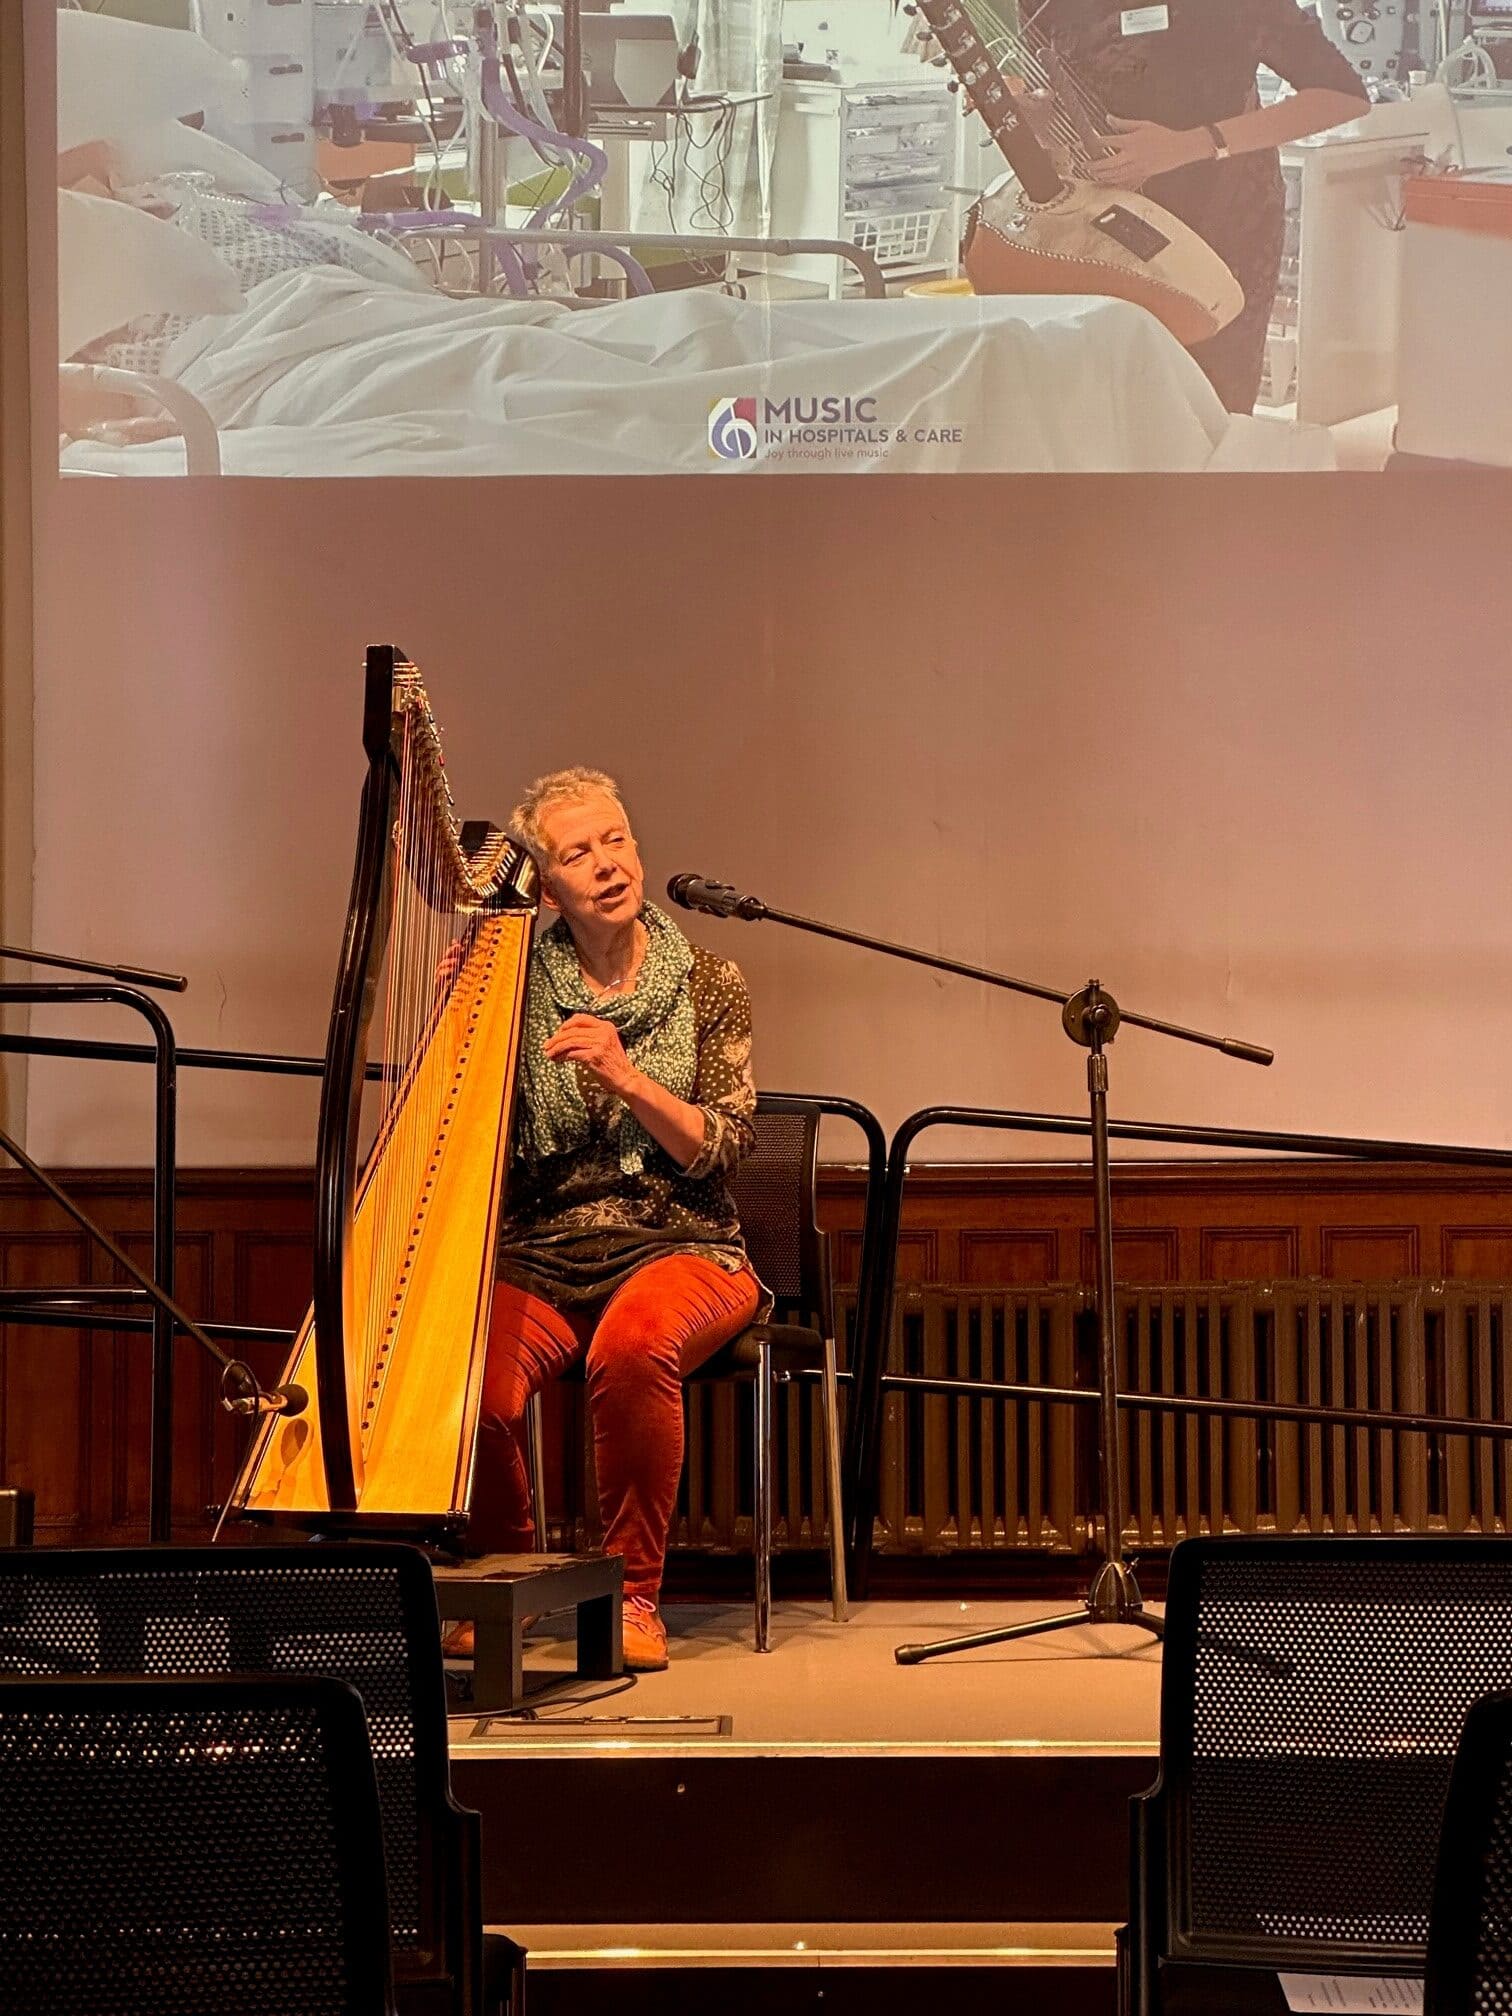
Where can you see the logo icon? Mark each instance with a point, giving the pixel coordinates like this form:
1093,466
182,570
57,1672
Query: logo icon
732,430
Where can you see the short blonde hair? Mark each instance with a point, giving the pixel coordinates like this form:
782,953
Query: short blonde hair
558,787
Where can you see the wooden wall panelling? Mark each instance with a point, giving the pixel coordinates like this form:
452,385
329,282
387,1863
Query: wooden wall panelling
54,1438
995,1258
919,1256
1218,1221
1476,1252
72,1409
1369,1252
270,1270
123,1372
1248,1252
1149,1254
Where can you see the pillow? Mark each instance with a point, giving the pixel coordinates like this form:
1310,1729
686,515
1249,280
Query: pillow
115,76
115,263
169,148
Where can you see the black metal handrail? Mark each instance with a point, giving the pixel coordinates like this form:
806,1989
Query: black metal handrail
69,1309
81,1307
273,1062
162,1054
873,1381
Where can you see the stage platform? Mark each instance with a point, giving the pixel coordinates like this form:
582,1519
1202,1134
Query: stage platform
820,1825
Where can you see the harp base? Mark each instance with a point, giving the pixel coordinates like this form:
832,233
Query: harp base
443,1530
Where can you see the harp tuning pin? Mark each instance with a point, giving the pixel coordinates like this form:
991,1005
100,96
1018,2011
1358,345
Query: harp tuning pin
953,86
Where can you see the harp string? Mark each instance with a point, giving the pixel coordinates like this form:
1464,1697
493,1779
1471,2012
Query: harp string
407,1081
366,1281
436,961
387,1176
399,1083
386,1227
421,1048
433,970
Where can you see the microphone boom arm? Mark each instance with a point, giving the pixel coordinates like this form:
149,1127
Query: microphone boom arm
719,899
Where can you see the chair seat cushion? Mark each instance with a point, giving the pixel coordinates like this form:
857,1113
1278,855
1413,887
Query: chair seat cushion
794,1347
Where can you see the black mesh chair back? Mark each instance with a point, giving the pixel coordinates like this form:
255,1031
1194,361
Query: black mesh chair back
361,1611
1470,1935
1313,1693
189,1848
774,1192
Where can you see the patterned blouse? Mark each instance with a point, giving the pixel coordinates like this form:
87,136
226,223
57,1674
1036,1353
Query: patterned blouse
576,1226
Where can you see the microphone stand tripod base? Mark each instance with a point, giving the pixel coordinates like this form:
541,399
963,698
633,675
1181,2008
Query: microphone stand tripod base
1114,1598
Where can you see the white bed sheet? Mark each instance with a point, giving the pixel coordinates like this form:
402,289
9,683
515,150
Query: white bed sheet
324,374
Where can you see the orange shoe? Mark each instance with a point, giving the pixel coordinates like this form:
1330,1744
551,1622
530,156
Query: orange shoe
459,1639
643,1636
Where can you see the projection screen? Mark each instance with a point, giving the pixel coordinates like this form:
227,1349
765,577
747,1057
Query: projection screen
737,238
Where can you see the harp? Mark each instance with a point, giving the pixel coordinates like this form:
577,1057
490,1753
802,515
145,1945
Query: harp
426,1021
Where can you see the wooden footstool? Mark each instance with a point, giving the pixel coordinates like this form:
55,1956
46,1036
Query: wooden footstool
499,1591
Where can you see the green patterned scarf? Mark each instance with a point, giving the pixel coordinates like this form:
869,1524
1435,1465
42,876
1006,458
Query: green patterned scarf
655,1024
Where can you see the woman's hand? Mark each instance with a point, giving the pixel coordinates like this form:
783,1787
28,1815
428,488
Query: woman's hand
595,1044
1139,149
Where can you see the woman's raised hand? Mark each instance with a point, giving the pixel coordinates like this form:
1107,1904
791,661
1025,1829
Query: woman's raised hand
595,1044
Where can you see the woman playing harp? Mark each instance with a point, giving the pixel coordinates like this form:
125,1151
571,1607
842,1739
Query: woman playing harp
620,1244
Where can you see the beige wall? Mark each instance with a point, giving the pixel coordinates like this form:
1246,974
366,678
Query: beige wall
1240,746
1179,734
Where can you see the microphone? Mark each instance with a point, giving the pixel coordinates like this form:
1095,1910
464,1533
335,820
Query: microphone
715,899
290,1399
1251,1053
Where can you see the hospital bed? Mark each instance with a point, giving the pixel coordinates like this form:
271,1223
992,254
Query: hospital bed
191,424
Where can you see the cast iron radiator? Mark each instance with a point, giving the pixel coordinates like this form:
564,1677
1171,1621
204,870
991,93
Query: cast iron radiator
988,1476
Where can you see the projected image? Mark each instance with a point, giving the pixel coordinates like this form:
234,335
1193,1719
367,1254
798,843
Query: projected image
779,237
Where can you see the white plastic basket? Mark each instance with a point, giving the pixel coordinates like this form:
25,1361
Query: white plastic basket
901,240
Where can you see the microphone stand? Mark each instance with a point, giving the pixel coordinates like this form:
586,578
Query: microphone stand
131,976
1091,1018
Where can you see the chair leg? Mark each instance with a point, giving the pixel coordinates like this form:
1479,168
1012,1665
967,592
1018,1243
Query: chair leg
763,1416
830,1401
536,1463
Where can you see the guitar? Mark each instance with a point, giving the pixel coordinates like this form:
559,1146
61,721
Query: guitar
1054,233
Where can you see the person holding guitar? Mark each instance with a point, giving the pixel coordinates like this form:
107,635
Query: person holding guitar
1185,126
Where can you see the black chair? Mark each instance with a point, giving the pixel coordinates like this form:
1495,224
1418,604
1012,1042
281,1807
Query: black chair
1470,1934
775,1194
364,1612
190,1848
1313,1693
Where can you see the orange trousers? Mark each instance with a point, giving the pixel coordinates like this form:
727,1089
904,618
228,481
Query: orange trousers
669,1318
